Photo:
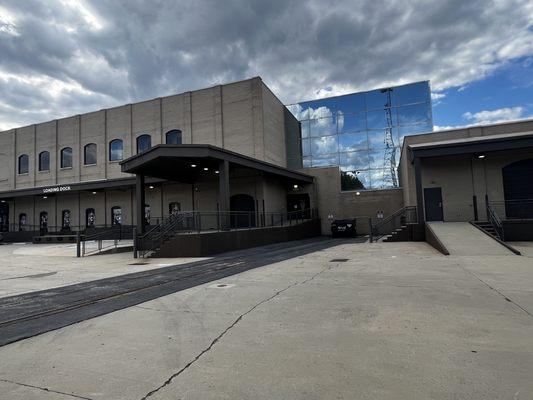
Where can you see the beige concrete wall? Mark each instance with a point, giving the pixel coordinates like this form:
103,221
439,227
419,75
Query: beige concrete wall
462,177
244,117
25,144
7,160
92,130
406,169
330,200
274,128
68,130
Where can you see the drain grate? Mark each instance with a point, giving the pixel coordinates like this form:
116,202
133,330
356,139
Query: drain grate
139,263
339,260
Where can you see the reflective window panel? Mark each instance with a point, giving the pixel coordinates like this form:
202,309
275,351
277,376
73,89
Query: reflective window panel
363,132
324,145
353,141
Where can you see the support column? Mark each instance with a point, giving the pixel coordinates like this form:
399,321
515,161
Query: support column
139,198
419,192
224,194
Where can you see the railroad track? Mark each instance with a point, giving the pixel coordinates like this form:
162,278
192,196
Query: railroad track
30,314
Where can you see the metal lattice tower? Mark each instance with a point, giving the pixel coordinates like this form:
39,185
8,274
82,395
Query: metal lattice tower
389,162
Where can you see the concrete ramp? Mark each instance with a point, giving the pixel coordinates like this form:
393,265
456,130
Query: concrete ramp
463,239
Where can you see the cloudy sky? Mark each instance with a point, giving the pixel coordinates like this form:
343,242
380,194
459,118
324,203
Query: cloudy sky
59,58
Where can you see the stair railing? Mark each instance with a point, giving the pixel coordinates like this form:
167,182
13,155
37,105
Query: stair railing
495,221
157,235
403,216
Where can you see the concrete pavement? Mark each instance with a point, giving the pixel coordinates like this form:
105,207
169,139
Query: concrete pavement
395,321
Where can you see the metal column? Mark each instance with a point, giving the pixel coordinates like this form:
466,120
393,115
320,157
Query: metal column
139,198
224,194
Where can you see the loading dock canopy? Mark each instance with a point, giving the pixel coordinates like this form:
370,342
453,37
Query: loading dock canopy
472,145
174,162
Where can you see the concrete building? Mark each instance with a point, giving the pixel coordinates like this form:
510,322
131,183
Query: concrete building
472,174
66,174
234,156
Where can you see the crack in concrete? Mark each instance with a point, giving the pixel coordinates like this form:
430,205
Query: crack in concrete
45,389
497,291
221,335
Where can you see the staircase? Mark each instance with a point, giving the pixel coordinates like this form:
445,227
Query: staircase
151,242
397,227
487,227
400,234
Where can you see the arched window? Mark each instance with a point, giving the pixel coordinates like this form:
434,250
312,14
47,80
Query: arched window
89,154
66,157
90,217
116,215
116,150
173,137
44,161
23,164
144,142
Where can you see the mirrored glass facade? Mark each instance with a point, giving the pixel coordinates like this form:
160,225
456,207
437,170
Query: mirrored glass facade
363,132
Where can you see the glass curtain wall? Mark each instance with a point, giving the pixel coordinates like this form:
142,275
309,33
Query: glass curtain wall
363,132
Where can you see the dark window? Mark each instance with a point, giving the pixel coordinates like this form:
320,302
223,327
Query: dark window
174,208
90,217
65,220
66,157
23,219
89,154
23,164
43,222
144,142
116,150
173,137
147,214
116,215
44,161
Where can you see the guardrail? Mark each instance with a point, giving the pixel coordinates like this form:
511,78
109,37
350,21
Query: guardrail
495,221
209,221
104,240
513,209
403,216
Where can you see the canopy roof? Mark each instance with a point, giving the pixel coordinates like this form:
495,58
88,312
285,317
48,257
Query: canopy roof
187,163
473,145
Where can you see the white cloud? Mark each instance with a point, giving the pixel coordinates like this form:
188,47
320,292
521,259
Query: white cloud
111,52
494,116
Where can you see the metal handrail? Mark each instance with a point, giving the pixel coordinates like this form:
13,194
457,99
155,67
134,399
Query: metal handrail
115,234
200,221
403,216
495,221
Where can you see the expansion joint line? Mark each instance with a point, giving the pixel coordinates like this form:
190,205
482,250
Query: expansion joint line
221,335
45,389
497,291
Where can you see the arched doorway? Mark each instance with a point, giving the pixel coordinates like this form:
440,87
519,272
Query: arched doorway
517,189
242,207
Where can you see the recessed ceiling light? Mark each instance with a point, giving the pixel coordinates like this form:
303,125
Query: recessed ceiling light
94,192
206,169
193,165
151,187
45,197
357,193
481,156
295,186
216,172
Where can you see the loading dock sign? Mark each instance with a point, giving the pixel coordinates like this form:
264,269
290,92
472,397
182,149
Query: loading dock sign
57,189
